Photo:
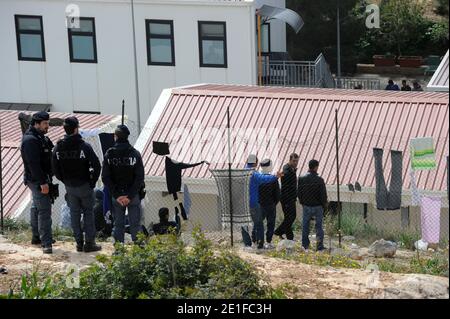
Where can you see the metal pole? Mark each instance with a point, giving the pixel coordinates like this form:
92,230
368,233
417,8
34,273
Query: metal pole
229,175
338,181
123,112
138,108
259,52
1,184
338,25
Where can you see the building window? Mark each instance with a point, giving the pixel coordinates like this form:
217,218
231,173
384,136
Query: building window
82,42
212,44
30,38
160,42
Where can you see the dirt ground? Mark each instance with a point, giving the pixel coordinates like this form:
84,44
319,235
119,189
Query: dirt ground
315,282
297,280
22,258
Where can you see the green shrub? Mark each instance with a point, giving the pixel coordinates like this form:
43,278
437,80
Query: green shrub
163,267
437,265
15,225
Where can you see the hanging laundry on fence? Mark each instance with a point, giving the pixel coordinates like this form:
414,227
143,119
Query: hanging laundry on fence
388,199
422,153
431,219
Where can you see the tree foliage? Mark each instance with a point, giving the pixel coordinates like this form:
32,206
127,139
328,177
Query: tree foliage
405,29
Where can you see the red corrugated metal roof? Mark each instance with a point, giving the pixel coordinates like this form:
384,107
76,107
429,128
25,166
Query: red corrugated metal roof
304,120
14,192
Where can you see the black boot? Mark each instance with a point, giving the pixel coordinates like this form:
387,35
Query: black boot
37,241
260,244
91,247
47,250
80,247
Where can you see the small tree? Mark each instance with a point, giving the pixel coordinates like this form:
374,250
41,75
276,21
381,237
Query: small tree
403,25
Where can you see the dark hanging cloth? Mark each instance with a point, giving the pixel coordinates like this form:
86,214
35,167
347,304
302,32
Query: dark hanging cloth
388,199
173,174
106,141
161,148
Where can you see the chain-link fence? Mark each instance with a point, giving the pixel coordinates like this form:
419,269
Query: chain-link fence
386,203
380,194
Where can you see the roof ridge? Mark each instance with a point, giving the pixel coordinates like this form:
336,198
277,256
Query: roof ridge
420,97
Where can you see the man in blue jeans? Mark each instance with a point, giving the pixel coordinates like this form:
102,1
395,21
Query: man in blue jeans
312,194
269,196
256,180
36,151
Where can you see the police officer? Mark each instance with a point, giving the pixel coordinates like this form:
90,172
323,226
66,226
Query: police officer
75,164
36,150
123,174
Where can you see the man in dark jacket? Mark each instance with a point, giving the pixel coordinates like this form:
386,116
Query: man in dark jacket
312,194
288,197
269,196
75,164
123,174
36,150
165,226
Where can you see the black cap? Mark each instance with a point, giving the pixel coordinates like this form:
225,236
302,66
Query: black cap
161,148
266,162
40,116
122,130
72,122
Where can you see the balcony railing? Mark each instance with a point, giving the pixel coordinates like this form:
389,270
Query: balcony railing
310,74
297,73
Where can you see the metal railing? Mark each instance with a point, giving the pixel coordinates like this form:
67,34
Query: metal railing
311,74
357,83
297,73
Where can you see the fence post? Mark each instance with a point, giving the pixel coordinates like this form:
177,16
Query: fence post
337,180
229,176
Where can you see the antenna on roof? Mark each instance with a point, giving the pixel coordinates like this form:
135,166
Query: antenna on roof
123,112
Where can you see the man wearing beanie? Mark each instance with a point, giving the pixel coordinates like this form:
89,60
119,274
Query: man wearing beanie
256,180
36,153
269,196
123,174
75,164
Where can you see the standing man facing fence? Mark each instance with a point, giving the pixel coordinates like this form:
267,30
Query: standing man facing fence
78,167
269,196
256,180
36,150
312,194
123,174
288,197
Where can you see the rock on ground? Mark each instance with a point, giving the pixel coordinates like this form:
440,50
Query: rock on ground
383,248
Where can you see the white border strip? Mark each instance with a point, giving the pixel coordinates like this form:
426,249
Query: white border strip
431,85
149,126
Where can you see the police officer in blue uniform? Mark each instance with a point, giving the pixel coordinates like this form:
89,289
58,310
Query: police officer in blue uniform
36,153
123,174
78,167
